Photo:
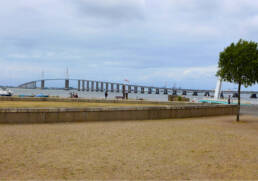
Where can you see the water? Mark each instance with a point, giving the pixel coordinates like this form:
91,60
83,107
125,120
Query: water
245,98
85,94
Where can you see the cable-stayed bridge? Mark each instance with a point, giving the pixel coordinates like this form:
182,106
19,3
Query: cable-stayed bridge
101,86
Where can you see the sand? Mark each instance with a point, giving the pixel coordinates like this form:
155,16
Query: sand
196,148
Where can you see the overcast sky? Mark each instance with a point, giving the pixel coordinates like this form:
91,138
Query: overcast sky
150,42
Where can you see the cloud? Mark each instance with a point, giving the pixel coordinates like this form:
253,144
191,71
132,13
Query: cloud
179,74
146,41
111,10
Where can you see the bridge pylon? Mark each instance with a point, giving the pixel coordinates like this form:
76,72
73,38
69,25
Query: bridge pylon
66,84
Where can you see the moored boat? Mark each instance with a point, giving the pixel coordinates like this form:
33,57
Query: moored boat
5,92
42,95
23,95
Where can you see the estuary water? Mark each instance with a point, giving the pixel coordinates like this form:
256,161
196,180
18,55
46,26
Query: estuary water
111,95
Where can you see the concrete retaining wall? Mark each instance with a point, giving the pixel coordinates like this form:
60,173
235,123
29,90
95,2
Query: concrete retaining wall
52,99
54,115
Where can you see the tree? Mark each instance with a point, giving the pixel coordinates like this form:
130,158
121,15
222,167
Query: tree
238,64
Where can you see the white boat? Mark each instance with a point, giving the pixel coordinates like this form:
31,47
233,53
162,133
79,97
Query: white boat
5,92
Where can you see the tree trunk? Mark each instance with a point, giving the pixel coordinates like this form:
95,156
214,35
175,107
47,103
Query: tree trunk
238,103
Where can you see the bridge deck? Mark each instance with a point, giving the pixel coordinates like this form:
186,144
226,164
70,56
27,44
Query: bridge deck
99,86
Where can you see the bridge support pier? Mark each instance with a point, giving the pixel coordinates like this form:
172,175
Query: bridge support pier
174,93
102,86
207,94
97,86
117,87
106,86
67,84
79,85
157,91
221,95
88,86
34,85
42,84
92,86
235,95
135,89
83,85
123,90
112,87
165,91
129,89
253,96
195,93
184,93
150,90
142,90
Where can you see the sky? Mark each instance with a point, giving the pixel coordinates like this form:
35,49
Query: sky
155,43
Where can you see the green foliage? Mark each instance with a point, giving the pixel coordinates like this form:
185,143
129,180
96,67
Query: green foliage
238,63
